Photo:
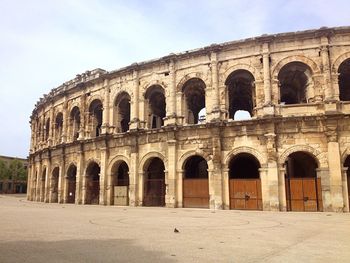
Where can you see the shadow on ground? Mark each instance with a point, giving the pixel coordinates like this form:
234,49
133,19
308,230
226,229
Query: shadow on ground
113,250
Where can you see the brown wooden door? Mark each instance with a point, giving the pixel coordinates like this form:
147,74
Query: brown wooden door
245,194
304,194
154,192
195,193
71,191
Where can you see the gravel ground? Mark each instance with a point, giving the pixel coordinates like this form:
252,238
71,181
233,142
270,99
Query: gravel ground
40,232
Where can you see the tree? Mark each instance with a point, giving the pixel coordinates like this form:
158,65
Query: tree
4,170
17,170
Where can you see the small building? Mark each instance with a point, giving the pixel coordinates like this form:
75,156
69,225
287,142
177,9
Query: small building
13,175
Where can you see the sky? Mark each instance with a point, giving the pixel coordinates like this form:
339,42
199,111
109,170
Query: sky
46,43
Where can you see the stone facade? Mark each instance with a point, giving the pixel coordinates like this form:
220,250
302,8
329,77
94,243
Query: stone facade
293,85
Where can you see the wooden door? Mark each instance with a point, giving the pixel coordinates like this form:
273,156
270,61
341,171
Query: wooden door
71,191
94,192
154,192
304,194
245,194
195,193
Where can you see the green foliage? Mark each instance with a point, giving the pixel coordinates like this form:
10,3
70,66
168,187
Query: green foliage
14,170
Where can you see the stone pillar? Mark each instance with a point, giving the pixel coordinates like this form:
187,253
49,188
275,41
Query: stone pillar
215,113
326,69
268,107
215,181
47,192
82,117
272,174
323,173
134,109
226,188
140,186
265,193
80,183
345,189
335,175
38,180
106,108
65,120
134,174
282,195
52,126
171,118
103,175
170,179
61,181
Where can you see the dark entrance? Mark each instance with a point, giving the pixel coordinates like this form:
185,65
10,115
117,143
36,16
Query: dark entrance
93,183
54,186
195,183
303,188
245,183
72,175
154,185
120,173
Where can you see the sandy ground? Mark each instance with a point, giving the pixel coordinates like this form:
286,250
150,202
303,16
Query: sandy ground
39,232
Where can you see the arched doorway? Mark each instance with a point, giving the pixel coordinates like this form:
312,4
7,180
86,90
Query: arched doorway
245,183
344,80
54,184
122,112
75,123
72,179
195,183
294,80
155,106
154,183
241,93
193,101
96,112
347,165
93,183
120,179
303,188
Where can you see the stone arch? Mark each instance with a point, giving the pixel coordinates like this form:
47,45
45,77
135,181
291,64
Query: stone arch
184,157
316,154
340,59
93,98
189,76
240,66
147,157
73,105
345,155
69,165
245,149
116,159
295,58
156,82
91,160
155,106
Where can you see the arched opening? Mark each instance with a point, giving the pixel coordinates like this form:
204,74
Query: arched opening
47,129
120,179
122,112
95,111
241,92
93,183
294,79
43,183
344,80
59,127
194,101
72,180
303,188
54,184
154,183
75,123
347,165
195,183
155,106
244,182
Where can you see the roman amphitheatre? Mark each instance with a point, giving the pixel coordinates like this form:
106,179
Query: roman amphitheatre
168,132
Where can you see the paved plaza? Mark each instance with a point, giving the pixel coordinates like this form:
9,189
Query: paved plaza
41,232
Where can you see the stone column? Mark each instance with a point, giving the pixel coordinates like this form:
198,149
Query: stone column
324,174
170,179
326,69
179,188
345,189
82,117
214,115
79,178
106,107
47,192
103,175
268,107
52,126
61,181
265,191
135,119
226,188
65,120
282,195
215,182
335,174
134,174
171,118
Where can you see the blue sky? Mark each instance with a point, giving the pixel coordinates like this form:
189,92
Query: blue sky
45,43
